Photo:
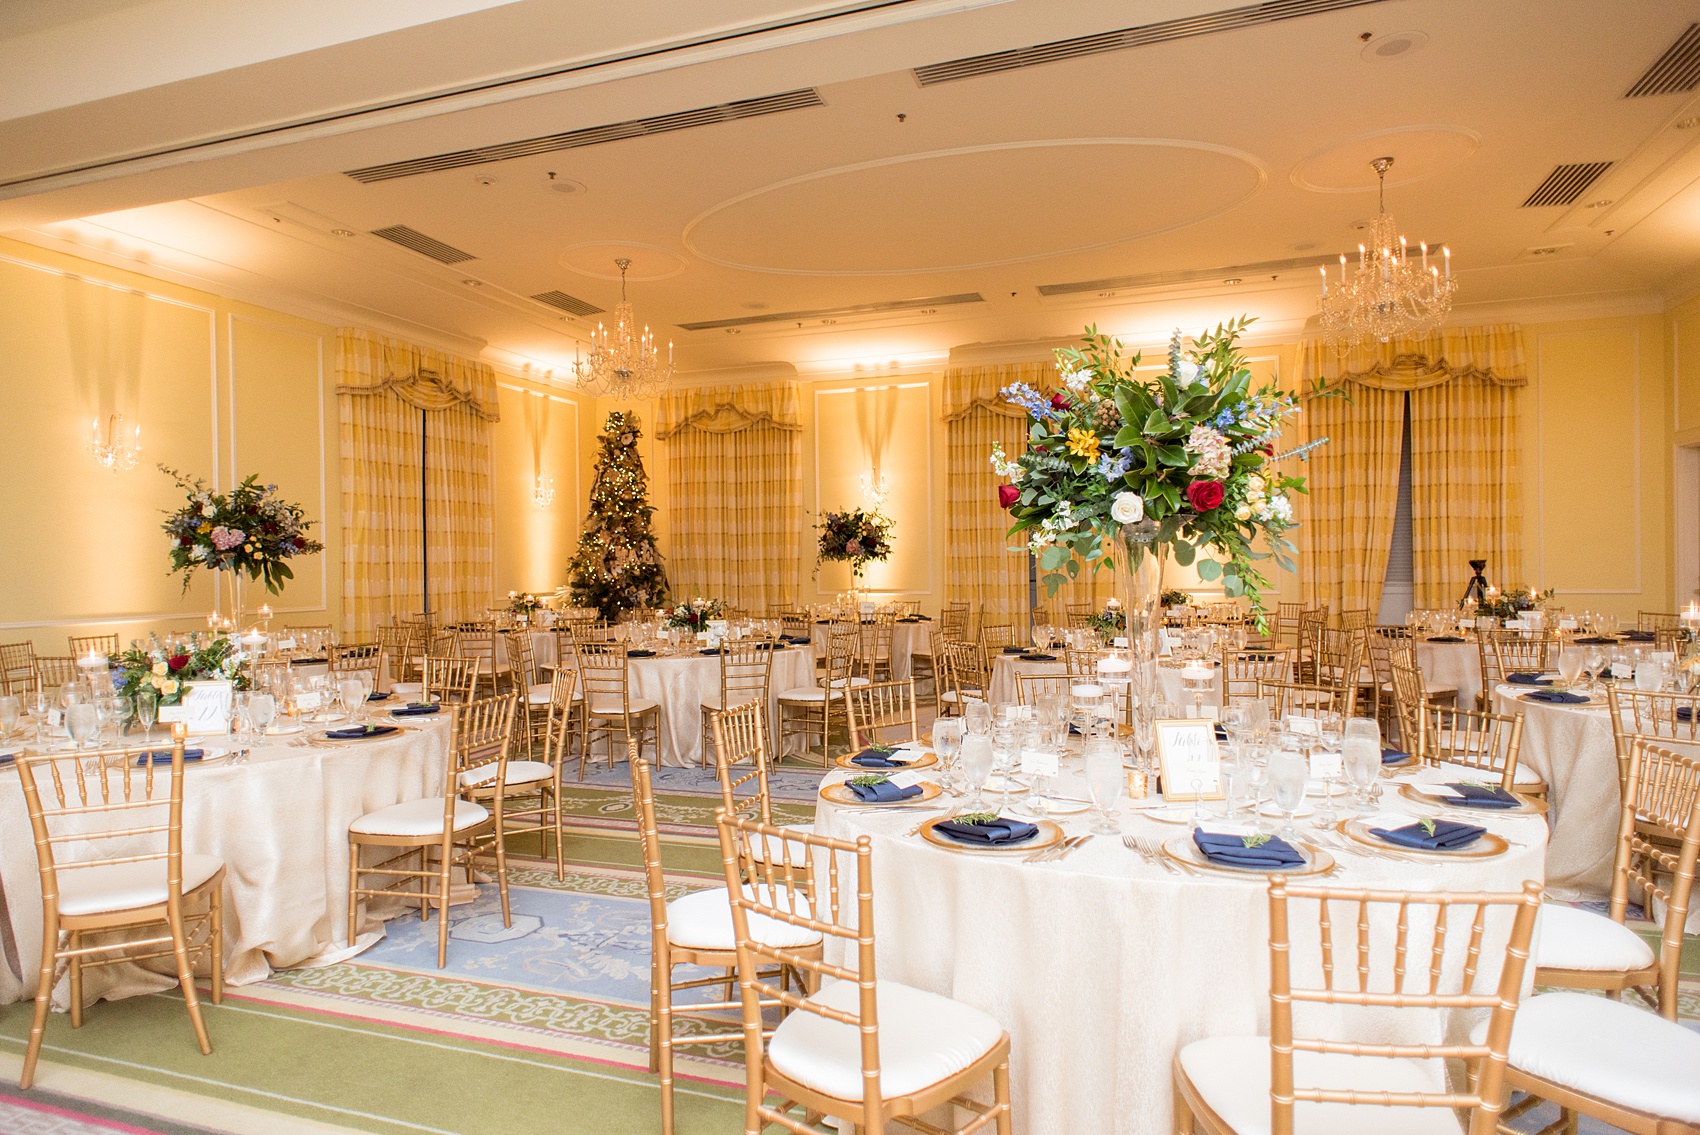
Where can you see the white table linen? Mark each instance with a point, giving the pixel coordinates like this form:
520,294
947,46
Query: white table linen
280,824
1453,664
907,640
1102,966
1171,686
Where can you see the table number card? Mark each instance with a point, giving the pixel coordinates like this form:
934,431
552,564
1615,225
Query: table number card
1303,726
1038,762
1325,765
1187,755
906,779
204,709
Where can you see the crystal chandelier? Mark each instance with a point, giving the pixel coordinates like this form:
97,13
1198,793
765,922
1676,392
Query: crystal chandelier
113,452
1391,293
624,362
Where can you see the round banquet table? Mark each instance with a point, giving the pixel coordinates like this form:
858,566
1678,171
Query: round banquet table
1102,965
279,822
1453,664
1571,748
907,640
1170,685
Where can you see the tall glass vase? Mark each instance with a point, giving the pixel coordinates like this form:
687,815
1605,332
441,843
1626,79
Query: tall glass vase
1140,566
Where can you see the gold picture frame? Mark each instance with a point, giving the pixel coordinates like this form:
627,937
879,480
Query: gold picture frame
1187,752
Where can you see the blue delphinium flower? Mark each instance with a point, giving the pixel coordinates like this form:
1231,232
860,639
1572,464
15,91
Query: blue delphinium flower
1036,404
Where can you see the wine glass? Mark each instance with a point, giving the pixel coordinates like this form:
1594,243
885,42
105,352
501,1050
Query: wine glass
352,693
261,709
1287,784
977,766
1363,764
11,708
1332,725
147,712
977,718
1005,748
82,721
1254,764
1596,664
1570,662
1105,779
103,715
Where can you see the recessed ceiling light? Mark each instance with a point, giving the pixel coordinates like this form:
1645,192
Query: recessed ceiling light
1687,123
734,331
559,184
1547,250
342,232
473,283
1393,45
1600,204
485,179
1232,280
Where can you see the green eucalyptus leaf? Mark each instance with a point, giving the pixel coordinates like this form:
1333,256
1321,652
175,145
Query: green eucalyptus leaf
1184,553
1209,570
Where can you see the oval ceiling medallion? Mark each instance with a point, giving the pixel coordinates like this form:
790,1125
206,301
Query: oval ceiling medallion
596,258
975,207
1417,152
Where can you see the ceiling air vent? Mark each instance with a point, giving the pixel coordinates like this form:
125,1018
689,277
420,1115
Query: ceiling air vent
424,245
594,135
884,307
572,305
1142,35
1565,184
1676,71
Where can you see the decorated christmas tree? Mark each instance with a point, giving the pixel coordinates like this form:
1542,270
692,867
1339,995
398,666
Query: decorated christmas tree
616,566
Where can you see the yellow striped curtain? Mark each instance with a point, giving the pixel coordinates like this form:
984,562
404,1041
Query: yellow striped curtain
983,564
1466,480
383,386
735,504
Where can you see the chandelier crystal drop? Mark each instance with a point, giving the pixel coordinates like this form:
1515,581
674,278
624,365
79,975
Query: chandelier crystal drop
624,362
114,452
1393,292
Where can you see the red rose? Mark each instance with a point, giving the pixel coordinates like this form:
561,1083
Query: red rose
1008,495
1266,450
177,661
1205,495
186,541
1058,402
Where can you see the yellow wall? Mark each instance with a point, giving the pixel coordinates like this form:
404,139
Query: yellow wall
540,432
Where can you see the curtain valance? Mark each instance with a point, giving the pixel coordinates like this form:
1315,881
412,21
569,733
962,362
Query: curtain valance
979,388
1492,353
423,377
729,409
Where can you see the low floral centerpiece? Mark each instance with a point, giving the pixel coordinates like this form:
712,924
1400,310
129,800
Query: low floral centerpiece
168,672
694,615
1110,622
523,604
1511,604
249,529
1126,471
1175,597
857,536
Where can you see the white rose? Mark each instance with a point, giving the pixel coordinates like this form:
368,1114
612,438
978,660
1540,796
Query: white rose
1128,508
1243,512
1188,372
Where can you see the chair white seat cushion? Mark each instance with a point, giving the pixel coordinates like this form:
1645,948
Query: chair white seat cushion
609,706
125,886
1608,1049
772,847
1231,1074
419,817
739,697
1568,937
519,772
1523,775
544,692
924,1038
810,694
952,696
702,920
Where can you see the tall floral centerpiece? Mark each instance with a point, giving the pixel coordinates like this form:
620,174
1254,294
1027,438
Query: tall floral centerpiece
857,536
169,672
1130,472
249,529
694,615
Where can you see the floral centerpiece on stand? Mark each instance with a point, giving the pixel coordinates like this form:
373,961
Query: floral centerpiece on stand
1129,472
858,536
167,672
1175,597
1110,622
694,615
524,604
1511,604
248,529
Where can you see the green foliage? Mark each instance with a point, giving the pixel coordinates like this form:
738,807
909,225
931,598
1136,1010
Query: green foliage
617,566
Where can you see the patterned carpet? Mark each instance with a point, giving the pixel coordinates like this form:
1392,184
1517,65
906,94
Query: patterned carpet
538,1027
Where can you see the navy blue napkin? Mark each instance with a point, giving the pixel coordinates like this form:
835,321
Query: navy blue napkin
1015,650
415,709
1597,640
376,696
356,731
798,639
884,792
640,654
1641,636
1475,796
709,651
163,756
1685,713
1446,638
1523,678
998,833
1036,657
1231,850
760,646
1447,836
1555,697
1393,756
876,758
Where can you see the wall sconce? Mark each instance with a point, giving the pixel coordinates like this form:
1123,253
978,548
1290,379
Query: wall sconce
543,491
875,489
113,452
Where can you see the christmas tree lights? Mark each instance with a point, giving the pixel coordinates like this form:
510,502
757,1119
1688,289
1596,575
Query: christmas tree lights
617,566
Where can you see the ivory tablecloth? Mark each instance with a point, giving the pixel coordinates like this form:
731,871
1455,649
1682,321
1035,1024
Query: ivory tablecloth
907,640
1101,966
1454,664
280,823
1170,685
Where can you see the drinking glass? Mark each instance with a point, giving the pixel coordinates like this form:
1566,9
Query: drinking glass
102,715
261,709
1257,718
977,766
1255,765
240,723
11,708
977,717
1287,773
352,692
1233,779
1570,662
1006,746
1363,764
1596,663
82,721
1105,779
147,712
1332,727
365,680
947,739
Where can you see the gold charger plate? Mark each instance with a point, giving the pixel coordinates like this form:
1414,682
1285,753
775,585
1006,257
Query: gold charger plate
1050,834
916,758
318,737
1356,829
839,793
1181,849
1530,806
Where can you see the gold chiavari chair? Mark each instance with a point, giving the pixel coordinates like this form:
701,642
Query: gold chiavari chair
875,660
1228,613
740,739
482,641
53,671
397,645
1656,620
970,675
17,666
796,624
1081,663
1410,694
360,658
451,679
1029,688
1244,670
1315,1083
809,711
1301,699
106,644
954,619
1516,654
825,1055
521,796
533,799
1672,718
1338,658
746,674
1355,619
995,636
610,708
1668,640
879,706
1079,612
1284,627
138,878
1479,743
1578,949
451,825
693,930
534,695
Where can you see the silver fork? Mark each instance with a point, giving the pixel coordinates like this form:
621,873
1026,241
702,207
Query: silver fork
1167,860
1055,851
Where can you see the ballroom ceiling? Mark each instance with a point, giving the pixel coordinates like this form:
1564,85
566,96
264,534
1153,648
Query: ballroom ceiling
829,205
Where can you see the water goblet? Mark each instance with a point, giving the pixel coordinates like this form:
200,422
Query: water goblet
1362,756
977,766
1287,772
147,712
11,708
977,717
1570,662
102,716
262,708
82,721
1105,779
1254,764
947,739
352,693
